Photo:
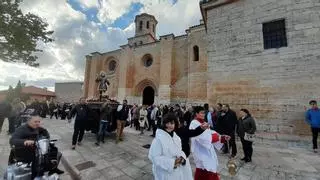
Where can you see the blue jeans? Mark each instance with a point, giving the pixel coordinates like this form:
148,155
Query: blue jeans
102,130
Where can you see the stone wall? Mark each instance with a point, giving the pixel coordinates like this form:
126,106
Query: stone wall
179,77
69,92
274,84
197,70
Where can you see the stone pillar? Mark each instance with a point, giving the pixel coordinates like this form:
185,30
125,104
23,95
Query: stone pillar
125,58
87,76
164,96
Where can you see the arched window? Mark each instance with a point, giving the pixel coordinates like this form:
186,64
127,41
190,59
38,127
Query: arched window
147,24
112,65
141,42
195,53
140,26
147,60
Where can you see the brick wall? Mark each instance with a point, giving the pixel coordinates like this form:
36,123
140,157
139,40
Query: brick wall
273,84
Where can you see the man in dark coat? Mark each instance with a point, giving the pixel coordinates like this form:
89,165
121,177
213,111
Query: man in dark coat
122,116
227,125
53,110
23,142
105,120
185,134
81,110
188,116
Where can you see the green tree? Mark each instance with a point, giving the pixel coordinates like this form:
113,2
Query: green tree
17,90
19,34
10,94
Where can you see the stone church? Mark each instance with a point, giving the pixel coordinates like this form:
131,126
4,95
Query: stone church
255,54
147,70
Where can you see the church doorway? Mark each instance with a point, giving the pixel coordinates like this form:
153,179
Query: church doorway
148,96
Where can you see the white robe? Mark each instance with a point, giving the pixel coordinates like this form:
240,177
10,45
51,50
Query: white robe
163,152
203,149
143,117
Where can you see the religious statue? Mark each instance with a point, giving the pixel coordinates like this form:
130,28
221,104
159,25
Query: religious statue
103,83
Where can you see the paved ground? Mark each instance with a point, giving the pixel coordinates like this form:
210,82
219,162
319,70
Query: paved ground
128,160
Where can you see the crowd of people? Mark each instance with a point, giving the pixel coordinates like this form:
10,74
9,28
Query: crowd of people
173,128
14,111
220,118
207,127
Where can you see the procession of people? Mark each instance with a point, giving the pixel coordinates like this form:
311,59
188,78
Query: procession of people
178,131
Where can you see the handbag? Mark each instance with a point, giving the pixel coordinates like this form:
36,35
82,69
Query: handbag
249,137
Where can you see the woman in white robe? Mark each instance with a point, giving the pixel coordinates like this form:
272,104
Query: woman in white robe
169,161
143,118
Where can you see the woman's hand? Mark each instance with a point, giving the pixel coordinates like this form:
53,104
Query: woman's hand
204,126
227,138
28,143
177,162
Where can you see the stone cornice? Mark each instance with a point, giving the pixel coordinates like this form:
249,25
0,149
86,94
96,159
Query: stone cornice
148,34
206,5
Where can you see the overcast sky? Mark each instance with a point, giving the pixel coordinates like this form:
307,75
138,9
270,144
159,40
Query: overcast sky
84,26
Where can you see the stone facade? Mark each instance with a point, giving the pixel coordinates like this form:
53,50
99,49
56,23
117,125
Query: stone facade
233,67
173,74
69,92
274,84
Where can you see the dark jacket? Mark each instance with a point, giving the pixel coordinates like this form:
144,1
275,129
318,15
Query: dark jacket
105,111
185,134
5,109
179,114
247,125
25,132
82,111
187,117
123,114
227,123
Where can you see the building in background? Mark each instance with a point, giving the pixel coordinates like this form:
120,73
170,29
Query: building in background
32,93
148,70
254,54
264,56
69,92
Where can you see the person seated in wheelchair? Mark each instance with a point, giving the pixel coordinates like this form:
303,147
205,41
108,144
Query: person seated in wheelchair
24,148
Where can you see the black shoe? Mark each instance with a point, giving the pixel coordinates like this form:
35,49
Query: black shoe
243,159
97,144
152,135
102,141
247,160
56,170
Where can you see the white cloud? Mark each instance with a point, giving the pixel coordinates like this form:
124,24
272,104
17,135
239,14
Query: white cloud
171,17
110,10
88,3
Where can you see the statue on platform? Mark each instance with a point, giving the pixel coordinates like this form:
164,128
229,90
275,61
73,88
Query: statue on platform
103,83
